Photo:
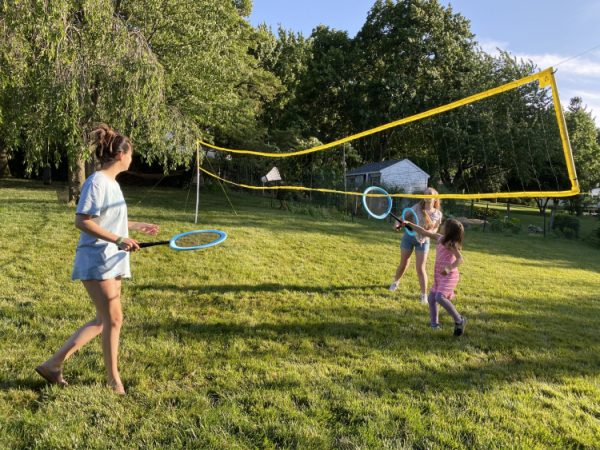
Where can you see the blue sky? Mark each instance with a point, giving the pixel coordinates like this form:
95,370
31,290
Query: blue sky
545,31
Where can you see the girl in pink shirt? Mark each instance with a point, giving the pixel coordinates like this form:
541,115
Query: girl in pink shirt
447,259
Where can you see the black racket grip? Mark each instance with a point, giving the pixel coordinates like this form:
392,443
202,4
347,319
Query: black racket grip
408,227
152,244
396,217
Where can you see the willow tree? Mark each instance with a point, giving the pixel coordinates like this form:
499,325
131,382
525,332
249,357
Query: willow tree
12,69
208,51
82,65
160,72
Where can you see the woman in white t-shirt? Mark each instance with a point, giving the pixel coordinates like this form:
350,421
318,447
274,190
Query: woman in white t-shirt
102,255
429,217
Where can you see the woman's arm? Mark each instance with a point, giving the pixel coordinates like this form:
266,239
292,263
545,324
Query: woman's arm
422,230
399,225
437,223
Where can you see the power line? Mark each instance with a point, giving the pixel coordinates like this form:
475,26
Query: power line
577,56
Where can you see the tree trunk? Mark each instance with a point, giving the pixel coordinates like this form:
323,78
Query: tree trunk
553,213
544,213
91,166
4,169
542,203
76,179
47,174
487,210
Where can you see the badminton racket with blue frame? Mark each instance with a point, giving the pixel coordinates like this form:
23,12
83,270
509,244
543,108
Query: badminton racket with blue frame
191,240
378,204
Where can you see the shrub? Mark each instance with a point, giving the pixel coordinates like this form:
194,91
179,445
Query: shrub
481,213
496,225
594,238
506,224
567,225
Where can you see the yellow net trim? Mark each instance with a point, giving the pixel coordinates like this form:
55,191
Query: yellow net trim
545,79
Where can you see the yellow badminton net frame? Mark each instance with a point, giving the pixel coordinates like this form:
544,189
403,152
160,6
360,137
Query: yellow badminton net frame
545,78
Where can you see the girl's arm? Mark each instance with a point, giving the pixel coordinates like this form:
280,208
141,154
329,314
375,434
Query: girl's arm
459,260
85,223
422,230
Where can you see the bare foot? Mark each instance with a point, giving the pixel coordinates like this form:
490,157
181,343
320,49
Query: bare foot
117,388
52,376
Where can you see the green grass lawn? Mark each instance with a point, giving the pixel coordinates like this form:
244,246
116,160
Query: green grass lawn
285,336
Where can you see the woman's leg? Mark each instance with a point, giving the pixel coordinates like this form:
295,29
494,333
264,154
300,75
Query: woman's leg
404,260
106,295
51,369
77,340
421,263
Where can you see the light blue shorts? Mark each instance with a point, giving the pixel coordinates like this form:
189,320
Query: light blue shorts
409,242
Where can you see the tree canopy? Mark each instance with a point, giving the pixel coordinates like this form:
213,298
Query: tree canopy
167,73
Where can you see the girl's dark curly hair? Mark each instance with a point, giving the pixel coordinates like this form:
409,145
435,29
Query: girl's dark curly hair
454,233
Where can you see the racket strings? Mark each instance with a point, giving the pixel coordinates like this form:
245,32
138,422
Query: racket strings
377,205
196,239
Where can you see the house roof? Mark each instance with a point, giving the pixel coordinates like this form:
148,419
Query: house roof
373,167
379,166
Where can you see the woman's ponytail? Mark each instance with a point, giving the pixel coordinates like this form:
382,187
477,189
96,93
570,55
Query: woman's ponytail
107,142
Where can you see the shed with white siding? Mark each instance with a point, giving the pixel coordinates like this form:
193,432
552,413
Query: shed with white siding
402,174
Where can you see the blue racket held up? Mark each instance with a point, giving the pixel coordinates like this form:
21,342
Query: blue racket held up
378,204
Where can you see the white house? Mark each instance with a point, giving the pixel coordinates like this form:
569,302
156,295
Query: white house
394,174
595,192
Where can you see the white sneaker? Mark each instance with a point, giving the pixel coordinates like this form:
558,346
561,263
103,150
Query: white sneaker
423,299
393,286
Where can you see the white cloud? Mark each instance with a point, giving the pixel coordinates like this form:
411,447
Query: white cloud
572,76
592,96
590,99
577,66
491,46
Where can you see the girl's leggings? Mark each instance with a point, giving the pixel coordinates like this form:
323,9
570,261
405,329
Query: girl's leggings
437,298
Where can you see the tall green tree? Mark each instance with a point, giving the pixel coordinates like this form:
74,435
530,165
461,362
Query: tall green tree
584,143
323,95
583,135
287,56
411,55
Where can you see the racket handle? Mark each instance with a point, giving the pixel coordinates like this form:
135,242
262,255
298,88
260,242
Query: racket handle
408,227
396,217
152,244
